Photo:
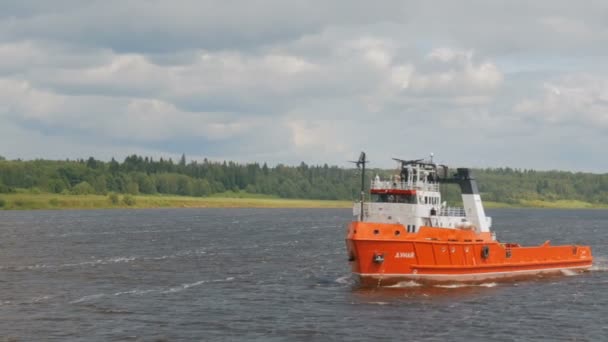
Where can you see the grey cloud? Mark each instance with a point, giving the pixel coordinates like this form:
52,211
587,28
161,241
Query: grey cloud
148,26
155,26
316,81
28,8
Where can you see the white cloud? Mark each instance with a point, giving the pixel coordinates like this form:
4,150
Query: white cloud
576,99
457,69
19,98
321,135
446,55
143,120
152,120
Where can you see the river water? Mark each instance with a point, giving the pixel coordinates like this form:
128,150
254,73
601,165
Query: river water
271,275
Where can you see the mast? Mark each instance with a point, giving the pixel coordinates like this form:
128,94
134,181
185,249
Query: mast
361,164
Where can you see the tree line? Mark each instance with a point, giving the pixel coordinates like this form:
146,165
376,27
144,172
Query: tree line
144,175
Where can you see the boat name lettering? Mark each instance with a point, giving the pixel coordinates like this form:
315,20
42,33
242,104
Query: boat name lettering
404,255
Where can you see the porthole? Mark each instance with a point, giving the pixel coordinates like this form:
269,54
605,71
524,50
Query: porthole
376,231
397,232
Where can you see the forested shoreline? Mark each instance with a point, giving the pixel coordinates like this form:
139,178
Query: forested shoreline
143,175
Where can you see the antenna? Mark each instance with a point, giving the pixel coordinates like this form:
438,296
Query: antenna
361,162
406,162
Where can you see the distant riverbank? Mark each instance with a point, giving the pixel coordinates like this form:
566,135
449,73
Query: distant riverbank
25,201
29,201
561,204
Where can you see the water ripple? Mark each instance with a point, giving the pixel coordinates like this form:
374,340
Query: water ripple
270,275
141,292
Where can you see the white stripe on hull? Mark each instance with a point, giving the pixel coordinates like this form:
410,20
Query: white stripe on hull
467,276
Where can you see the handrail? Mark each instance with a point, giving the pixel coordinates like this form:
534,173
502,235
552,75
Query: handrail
452,211
388,185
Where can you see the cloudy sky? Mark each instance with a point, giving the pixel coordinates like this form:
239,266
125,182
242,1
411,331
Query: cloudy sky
479,83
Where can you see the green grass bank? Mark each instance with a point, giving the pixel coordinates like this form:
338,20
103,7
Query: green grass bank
25,201
30,201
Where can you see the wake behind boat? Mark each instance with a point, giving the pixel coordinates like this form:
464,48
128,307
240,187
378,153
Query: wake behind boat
407,233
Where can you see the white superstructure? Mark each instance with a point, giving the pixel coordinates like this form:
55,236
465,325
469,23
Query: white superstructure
413,198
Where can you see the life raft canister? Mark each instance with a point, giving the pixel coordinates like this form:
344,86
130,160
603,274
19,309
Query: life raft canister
485,252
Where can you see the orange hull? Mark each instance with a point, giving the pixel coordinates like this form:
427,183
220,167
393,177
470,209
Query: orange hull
383,254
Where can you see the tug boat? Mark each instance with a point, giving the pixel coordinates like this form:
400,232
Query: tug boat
405,232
